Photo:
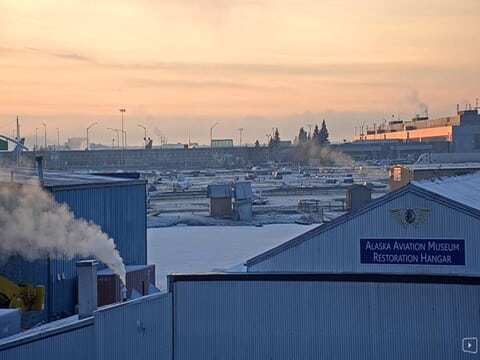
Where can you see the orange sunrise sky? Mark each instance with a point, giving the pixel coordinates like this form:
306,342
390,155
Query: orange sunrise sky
180,66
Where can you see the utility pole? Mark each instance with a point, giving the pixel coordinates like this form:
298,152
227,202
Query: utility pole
122,111
45,137
240,130
18,129
88,128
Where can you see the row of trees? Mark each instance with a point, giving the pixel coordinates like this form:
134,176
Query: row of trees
307,145
318,137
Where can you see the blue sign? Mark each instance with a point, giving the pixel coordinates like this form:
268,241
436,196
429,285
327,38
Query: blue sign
412,251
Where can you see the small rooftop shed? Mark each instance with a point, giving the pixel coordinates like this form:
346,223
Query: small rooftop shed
242,206
220,196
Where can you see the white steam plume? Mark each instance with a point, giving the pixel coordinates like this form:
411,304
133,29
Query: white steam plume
34,226
328,155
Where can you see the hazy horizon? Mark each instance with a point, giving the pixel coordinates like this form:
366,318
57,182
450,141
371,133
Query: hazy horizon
180,67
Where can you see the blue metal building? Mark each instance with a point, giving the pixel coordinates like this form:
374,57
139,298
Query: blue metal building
117,205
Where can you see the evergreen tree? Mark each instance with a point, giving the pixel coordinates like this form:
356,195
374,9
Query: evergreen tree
316,136
302,136
257,144
276,138
323,135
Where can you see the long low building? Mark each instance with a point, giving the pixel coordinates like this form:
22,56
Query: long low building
462,130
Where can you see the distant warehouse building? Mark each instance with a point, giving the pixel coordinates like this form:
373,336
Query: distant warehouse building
462,130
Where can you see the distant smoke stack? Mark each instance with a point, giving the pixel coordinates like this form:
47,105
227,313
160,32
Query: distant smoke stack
87,287
39,159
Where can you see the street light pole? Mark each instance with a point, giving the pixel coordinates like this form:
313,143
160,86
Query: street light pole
145,133
36,139
45,135
88,128
122,110
118,136
211,129
240,130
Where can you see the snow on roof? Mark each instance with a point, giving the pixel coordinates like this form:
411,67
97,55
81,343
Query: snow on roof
59,178
443,166
219,191
464,189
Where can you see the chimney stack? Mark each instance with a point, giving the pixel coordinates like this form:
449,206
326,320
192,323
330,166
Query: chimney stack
39,159
87,287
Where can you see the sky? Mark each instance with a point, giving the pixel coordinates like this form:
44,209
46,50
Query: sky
188,68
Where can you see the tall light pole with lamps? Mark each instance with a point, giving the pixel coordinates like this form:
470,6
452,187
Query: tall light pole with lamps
211,130
45,135
240,130
88,128
36,139
124,140
362,135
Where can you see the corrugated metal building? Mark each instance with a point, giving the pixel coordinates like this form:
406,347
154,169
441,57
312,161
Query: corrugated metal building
321,316
137,329
117,205
397,233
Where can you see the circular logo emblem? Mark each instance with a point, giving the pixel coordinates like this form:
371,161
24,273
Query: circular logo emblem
410,216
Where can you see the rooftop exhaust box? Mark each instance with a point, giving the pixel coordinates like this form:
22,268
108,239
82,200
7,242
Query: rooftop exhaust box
87,287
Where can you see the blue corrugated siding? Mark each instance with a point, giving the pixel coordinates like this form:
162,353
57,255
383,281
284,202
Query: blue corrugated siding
76,344
322,320
120,210
140,329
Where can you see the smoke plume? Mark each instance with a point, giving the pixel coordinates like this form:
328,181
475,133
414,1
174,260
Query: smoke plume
35,226
329,156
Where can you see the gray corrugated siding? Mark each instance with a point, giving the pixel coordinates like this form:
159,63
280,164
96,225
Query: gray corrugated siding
338,248
322,320
120,211
140,329
72,345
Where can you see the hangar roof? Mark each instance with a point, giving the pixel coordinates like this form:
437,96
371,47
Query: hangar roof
58,179
462,189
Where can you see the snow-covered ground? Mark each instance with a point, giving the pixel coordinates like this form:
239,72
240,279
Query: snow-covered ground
206,248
